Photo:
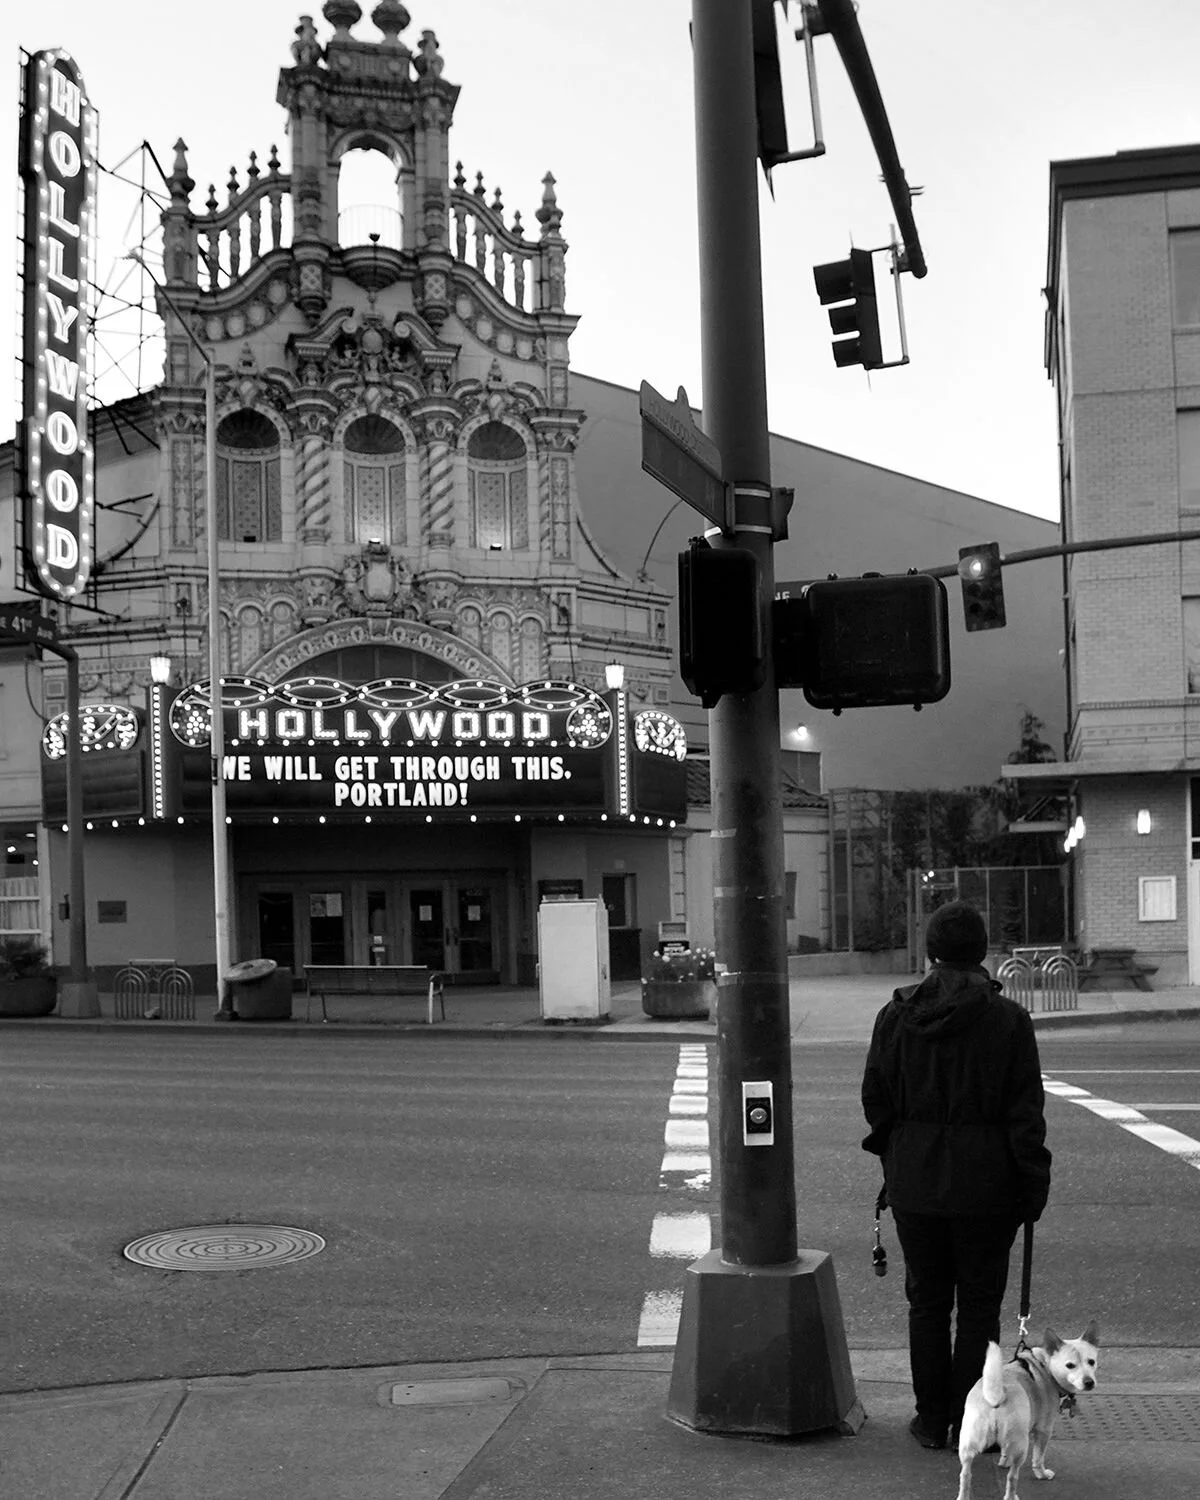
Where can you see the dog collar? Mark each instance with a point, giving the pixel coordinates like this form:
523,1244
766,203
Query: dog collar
1066,1399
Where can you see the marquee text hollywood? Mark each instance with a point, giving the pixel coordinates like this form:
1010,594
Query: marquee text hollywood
58,163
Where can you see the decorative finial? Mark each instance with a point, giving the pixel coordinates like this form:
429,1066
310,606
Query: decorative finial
460,181
517,227
180,181
497,206
479,190
273,162
549,216
391,18
306,49
341,15
233,184
252,169
211,204
429,62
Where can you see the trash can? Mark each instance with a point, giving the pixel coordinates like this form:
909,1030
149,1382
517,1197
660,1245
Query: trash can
260,990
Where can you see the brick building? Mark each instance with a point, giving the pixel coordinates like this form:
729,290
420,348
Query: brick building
1123,350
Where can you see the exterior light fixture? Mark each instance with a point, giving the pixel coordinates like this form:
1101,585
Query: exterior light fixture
1080,828
160,668
1144,821
614,675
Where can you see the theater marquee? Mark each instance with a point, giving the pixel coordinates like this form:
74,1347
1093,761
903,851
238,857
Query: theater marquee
55,455
471,750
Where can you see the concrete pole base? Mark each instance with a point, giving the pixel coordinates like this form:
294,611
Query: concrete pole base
78,1000
762,1350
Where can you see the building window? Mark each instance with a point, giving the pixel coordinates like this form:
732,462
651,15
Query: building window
1187,433
374,482
497,489
1156,898
249,507
1185,278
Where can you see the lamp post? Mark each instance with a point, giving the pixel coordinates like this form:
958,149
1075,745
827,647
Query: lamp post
220,841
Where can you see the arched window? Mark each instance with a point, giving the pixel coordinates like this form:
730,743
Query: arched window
374,482
497,492
370,194
248,501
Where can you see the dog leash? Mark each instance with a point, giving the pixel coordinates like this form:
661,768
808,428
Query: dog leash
1026,1279
878,1253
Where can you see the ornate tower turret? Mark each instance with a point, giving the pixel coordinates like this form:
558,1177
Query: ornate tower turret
381,96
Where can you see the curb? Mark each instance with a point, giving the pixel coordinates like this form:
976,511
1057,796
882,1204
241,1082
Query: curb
624,1030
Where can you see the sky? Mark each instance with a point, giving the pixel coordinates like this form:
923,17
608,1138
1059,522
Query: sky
982,95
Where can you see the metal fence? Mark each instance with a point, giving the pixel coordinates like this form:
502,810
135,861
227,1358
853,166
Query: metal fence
1041,979
154,989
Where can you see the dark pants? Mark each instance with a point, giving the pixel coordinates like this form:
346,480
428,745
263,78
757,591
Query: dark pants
948,1261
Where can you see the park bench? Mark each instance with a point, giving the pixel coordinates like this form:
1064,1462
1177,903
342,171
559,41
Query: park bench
387,980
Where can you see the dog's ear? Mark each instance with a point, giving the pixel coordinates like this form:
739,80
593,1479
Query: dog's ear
1091,1334
1051,1341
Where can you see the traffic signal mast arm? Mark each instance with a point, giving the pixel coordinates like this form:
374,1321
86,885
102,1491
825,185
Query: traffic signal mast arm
1068,549
841,22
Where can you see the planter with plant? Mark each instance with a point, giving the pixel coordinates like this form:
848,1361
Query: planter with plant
28,983
680,986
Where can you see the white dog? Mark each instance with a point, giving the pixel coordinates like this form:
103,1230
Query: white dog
1015,1405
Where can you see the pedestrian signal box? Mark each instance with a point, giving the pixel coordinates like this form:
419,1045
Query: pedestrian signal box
721,646
870,642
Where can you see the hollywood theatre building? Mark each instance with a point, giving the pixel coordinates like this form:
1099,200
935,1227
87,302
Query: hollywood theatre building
424,736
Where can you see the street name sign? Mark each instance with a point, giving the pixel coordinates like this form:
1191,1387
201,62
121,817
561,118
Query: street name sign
679,455
21,626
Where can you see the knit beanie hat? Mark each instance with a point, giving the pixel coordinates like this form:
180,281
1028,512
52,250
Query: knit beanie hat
956,934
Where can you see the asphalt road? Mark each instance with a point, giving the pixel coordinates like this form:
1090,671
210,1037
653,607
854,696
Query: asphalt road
486,1198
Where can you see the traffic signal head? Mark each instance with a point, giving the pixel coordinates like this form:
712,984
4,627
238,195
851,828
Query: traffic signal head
982,586
721,647
851,285
868,642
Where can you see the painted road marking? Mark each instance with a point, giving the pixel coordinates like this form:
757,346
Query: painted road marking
680,1235
1174,1142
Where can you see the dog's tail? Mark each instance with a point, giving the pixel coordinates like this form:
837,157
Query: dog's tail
993,1375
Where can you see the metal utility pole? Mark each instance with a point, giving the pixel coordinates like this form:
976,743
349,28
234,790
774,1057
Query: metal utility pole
761,1347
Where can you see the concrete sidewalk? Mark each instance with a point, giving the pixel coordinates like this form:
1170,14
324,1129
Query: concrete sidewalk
552,1429
833,1008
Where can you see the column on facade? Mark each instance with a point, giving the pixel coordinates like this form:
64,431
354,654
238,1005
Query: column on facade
437,480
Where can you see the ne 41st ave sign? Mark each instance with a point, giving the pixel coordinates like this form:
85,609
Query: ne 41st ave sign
679,455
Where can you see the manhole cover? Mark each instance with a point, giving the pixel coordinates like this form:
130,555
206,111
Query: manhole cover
224,1247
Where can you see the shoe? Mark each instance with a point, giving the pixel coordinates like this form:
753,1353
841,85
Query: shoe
927,1436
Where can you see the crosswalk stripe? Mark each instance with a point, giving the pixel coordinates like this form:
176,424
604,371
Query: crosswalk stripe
681,1235
1174,1142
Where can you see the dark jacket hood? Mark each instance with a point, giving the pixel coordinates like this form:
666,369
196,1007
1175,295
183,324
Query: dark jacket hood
950,999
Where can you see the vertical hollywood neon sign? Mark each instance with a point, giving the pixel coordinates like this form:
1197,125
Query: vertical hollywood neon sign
58,165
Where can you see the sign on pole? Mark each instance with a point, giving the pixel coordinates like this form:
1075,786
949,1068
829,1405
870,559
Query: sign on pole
679,455
21,626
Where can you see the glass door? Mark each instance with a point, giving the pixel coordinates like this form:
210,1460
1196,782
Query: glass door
277,928
429,938
326,926
474,933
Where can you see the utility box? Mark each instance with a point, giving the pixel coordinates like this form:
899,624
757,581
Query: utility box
573,975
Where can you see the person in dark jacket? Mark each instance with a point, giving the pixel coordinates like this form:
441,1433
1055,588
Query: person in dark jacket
952,1092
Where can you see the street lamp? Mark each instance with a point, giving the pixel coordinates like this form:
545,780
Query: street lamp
614,675
160,669
220,842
